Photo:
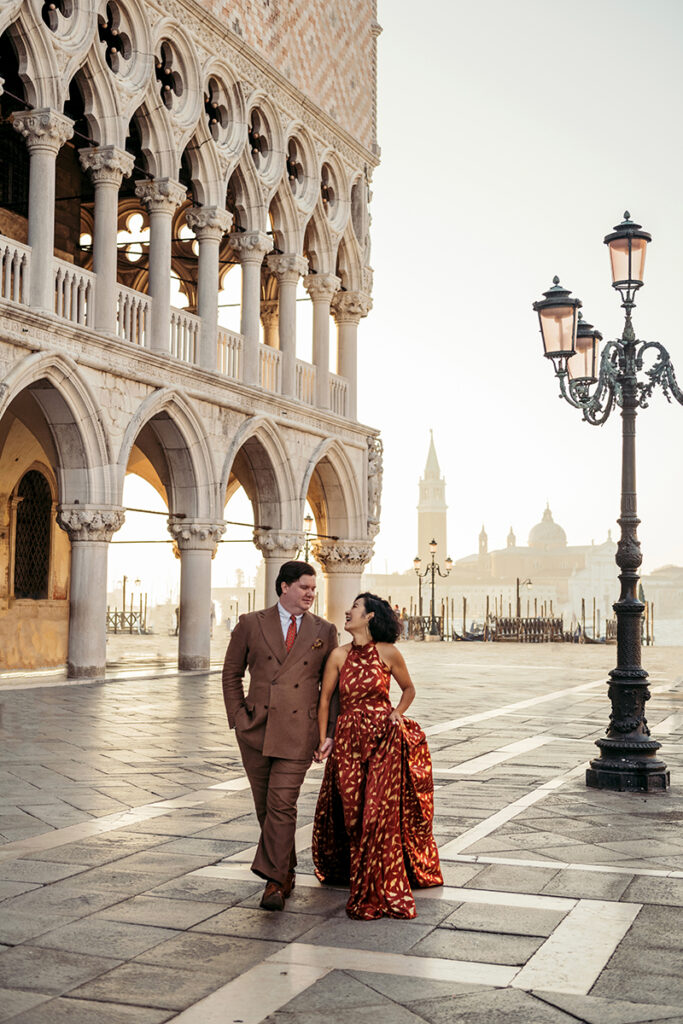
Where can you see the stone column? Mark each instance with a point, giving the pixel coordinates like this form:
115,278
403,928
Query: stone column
196,541
348,308
321,288
251,247
270,320
209,224
342,562
108,166
161,198
45,132
288,268
90,529
277,547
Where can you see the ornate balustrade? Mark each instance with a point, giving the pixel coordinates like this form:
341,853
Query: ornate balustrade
229,353
184,332
305,382
15,269
270,369
133,310
74,293
339,391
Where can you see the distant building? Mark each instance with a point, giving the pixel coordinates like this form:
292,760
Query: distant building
432,508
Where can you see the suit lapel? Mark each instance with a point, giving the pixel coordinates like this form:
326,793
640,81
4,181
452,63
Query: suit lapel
272,632
304,639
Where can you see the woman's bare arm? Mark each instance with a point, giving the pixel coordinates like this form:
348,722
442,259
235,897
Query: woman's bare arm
330,678
393,659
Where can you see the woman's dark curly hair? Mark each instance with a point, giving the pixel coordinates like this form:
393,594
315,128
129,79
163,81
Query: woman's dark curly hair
384,625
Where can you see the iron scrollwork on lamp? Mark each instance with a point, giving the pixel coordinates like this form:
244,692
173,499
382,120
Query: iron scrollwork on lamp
625,377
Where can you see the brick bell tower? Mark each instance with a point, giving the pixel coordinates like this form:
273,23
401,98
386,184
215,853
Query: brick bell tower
432,509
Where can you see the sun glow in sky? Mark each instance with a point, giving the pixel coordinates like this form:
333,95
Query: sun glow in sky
514,136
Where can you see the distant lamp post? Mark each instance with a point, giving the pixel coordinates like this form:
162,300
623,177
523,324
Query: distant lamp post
432,570
629,371
521,583
308,526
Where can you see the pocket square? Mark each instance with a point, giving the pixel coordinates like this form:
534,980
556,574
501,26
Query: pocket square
317,644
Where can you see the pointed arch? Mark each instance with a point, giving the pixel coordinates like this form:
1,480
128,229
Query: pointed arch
169,431
53,385
331,487
320,243
350,262
258,455
244,184
37,65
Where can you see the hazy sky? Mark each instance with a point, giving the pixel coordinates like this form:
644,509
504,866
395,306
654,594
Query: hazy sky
514,136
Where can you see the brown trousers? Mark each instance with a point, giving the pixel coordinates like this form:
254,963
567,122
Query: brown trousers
275,783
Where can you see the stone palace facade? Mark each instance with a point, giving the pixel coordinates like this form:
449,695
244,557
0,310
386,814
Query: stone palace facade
148,151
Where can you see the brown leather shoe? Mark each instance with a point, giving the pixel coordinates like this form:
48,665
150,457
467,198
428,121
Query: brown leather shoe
273,897
290,882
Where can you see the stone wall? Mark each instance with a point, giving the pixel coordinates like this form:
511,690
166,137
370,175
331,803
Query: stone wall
326,48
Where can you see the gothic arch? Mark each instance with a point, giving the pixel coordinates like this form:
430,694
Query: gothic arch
350,262
331,487
320,243
260,462
37,64
248,197
51,385
169,432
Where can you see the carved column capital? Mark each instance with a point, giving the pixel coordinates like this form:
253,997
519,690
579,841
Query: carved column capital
322,287
251,246
278,543
196,534
208,221
350,307
270,313
343,556
108,165
90,522
287,267
162,195
43,128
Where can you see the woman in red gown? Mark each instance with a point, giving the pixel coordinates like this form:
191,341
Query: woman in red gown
373,822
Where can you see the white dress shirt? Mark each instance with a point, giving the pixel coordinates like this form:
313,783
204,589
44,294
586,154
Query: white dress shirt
286,618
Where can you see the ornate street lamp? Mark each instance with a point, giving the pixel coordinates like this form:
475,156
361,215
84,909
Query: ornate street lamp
629,371
432,569
308,526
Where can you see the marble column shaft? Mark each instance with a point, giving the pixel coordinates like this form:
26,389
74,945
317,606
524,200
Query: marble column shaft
45,131
251,246
348,308
209,224
196,541
90,529
108,166
287,268
161,198
321,288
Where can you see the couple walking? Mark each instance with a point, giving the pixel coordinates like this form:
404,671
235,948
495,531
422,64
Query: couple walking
373,821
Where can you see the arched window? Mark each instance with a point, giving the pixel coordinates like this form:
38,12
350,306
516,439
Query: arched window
32,537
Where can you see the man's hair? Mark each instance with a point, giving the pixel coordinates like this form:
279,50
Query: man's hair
290,572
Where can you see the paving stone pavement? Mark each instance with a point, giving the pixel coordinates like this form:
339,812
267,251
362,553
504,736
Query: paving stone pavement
126,825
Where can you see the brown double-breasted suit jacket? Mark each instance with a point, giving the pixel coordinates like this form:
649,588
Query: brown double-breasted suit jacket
279,715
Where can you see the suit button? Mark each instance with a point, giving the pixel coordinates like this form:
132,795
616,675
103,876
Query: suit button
265,707
305,663
270,657
296,685
293,712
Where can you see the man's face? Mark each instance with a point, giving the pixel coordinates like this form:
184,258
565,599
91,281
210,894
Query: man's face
297,597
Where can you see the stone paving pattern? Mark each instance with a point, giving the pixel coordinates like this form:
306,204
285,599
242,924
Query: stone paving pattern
110,829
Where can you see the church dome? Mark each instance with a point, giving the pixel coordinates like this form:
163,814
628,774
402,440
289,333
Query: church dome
547,534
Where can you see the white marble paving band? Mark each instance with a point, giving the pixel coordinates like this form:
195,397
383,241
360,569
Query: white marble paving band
573,957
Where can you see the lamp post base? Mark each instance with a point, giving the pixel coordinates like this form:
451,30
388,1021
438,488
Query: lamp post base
628,779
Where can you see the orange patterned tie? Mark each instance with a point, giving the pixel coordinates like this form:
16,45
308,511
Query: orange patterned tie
291,634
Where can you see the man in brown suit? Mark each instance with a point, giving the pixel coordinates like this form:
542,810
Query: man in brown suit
285,648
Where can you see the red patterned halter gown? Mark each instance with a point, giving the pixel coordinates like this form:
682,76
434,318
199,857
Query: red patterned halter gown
373,822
